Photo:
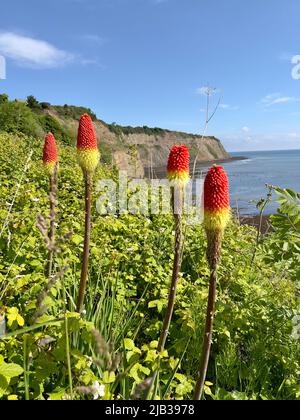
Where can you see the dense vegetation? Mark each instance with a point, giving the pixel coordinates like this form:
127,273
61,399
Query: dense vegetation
255,349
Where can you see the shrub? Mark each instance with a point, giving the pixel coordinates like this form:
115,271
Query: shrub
33,103
50,124
17,117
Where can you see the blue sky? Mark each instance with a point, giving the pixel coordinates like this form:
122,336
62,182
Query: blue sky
143,62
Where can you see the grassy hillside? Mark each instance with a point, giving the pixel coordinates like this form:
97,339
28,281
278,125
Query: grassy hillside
254,353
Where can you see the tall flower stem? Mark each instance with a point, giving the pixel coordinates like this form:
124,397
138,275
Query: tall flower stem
175,277
53,202
216,217
87,237
68,347
88,158
207,342
178,176
173,287
25,368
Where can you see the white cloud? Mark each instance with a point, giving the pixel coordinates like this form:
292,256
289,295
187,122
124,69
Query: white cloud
31,52
261,141
246,129
277,98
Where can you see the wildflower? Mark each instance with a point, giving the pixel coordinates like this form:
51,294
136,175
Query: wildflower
50,160
178,171
216,211
50,154
98,390
178,164
87,150
216,199
88,158
216,217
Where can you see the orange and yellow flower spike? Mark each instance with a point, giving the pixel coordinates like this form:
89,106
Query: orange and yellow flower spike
178,165
216,199
87,149
50,154
217,211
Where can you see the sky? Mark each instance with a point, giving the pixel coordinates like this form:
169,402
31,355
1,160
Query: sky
147,62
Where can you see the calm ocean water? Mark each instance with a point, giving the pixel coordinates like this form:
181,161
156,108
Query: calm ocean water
249,177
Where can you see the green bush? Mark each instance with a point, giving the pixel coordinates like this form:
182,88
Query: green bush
74,112
50,124
16,117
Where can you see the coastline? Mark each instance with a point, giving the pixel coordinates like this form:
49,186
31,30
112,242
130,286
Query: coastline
160,172
205,163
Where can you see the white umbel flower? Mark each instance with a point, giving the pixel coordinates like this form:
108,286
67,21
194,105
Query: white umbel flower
98,390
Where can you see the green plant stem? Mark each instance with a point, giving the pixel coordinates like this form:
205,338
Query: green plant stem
175,277
207,342
87,237
68,349
177,210
25,367
52,199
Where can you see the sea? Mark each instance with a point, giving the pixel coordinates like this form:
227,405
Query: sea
248,177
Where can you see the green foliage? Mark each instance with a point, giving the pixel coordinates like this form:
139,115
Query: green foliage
74,112
16,117
33,103
106,154
3,98
254,353
50,124
45,105
284,245
120,130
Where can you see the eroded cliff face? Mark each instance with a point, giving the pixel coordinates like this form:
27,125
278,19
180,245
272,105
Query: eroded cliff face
139,153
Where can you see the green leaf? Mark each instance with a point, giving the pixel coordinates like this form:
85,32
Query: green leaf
129,344
10,370
3,385
109,377
77,239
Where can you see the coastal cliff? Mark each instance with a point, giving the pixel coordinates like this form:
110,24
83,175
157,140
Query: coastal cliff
137,150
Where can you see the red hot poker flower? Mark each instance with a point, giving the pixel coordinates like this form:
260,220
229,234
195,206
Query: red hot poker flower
216,211
216,199
87,148
178,164
50,154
